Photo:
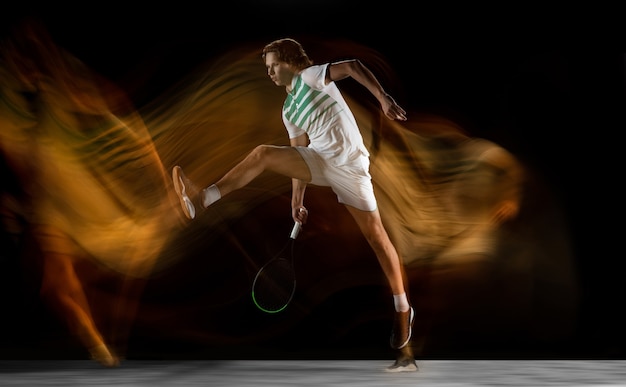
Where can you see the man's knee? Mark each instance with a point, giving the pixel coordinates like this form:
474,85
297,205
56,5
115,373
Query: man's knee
264,152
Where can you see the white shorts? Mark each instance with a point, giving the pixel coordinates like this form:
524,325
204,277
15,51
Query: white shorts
351,183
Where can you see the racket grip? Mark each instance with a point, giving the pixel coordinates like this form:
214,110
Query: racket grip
295,230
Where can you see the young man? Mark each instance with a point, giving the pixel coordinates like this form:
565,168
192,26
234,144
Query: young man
327,149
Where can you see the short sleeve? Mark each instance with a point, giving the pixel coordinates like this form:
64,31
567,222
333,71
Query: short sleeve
315,76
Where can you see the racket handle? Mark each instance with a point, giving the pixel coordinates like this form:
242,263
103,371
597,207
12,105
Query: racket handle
295,230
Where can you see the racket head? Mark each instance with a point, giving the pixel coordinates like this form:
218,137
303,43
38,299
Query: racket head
274,285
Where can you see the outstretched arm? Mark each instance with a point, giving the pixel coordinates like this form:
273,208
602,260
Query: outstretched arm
298,211
355,69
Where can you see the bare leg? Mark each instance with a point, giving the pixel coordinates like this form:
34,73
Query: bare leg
283,160
372,228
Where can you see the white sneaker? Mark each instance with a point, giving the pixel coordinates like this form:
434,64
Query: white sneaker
182,185
403,365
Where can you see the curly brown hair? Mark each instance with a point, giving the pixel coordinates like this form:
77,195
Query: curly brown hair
289,51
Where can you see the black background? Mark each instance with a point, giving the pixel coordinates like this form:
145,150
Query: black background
547,83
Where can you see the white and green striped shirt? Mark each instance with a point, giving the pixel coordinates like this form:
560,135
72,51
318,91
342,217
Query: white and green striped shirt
320,110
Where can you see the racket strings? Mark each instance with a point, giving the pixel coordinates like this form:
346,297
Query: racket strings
275,284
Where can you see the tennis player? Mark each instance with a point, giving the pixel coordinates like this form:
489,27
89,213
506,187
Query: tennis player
327,149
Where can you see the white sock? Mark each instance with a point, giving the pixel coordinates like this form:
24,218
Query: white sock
210,195
400,302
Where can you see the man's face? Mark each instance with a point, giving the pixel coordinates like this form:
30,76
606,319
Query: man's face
279,72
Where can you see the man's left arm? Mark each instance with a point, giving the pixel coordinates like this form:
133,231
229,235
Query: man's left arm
355,69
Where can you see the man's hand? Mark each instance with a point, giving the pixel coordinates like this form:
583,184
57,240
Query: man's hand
392,110
300,214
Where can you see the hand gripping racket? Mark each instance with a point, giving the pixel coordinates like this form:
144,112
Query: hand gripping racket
275,283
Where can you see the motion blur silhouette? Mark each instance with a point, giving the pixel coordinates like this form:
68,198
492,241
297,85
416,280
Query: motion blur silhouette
87,194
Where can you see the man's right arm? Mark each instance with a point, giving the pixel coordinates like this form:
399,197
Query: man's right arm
298,186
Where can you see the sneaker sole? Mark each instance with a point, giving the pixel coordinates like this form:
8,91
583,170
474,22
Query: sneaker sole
412,367
179,186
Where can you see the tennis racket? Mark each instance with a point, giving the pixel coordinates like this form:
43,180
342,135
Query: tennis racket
275,283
